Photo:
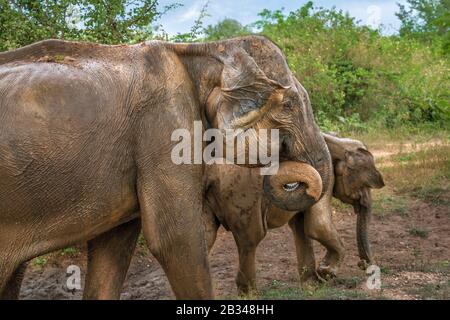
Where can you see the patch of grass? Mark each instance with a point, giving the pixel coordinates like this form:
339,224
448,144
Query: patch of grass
424,173
432,291
69,251
142,247
59,58
333,293
141,240
385,202
378,138
385,270
278,290
406,157
349,283
417,253
442,267
418,232
445,264
434,194
339,206
39,262
281,291
289,293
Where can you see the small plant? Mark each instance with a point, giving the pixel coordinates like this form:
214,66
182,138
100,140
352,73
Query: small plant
385,202
69,251
385,270
417,253
59,58
141,240
40,262
349,283
433,291
142,246
281,291
331,293
417,232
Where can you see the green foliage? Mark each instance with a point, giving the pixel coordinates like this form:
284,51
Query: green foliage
417,232
69,251
432,291
39,262
114,21
225,29
355,75
427,20
23,22
340,289
357,78
385,203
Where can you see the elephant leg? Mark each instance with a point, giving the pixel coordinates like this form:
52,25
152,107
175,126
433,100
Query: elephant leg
211,226
171,212
248,231
109,256
12,288
246,276
319,226
306,262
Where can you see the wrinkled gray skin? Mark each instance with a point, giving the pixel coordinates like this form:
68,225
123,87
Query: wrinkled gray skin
85,148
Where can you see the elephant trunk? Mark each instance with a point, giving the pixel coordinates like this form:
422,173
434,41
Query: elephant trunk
295,187
363,213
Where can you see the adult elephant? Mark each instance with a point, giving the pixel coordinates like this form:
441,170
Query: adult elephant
85,145
248,215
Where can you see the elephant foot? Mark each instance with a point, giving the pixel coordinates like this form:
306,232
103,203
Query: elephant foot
327,272
309,279
247,292
364,264
246,288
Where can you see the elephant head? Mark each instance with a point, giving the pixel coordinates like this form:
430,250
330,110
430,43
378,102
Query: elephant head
247,84
355,176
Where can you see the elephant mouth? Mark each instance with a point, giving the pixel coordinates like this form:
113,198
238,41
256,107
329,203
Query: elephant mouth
295,187
290,187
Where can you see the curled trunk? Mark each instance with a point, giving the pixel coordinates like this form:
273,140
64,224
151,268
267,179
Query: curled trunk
295,187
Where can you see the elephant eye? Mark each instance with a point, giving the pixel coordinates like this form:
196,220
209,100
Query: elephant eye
287,104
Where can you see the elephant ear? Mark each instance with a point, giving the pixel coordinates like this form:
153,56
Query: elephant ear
245,93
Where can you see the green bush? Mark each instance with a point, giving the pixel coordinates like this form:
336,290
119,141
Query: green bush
356,76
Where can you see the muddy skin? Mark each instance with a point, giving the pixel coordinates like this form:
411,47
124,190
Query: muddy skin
355,175
85,144
249,215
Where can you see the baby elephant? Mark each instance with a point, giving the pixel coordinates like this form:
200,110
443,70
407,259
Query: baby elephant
248,214
355,174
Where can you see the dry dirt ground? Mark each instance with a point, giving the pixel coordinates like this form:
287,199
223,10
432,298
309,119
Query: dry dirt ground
411,243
